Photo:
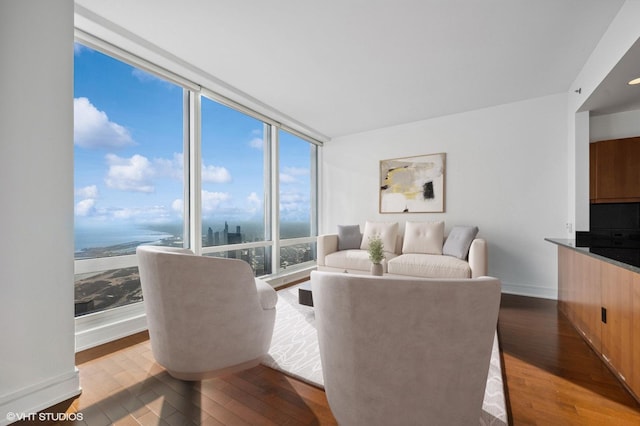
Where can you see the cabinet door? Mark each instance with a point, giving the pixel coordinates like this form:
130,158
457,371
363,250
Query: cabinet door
587,297
634,383
617,332
566,272
617,175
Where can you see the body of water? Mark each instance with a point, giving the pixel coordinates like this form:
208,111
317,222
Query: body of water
93,237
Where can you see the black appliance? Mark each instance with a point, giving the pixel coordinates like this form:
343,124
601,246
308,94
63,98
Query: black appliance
614,232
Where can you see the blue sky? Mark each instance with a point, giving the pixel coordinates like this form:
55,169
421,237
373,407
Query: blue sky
128,135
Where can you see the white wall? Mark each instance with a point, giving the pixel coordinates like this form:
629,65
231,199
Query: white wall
36,186
614,126
622,33
506,173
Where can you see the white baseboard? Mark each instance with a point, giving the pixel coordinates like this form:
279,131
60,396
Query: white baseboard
530,290
39,396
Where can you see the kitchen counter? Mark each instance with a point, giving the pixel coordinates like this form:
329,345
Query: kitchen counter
627,258
598,284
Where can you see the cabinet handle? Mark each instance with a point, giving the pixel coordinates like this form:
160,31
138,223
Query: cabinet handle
603,314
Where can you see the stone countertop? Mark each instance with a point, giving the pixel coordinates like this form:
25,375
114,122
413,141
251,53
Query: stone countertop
627,258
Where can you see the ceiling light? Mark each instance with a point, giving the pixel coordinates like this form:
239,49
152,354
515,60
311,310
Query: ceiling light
635,81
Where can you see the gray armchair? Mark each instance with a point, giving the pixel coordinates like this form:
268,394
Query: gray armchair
405,351
206,316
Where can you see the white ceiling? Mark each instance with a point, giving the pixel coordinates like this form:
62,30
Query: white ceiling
347,66
614,94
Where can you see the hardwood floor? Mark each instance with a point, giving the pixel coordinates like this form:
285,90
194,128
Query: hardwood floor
552,378
127,387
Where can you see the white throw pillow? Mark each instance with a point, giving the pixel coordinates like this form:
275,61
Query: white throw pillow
386,231
423,237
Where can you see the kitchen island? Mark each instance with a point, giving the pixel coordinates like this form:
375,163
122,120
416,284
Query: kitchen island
599,291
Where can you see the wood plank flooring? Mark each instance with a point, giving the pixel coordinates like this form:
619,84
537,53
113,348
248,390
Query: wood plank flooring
552,378
128,388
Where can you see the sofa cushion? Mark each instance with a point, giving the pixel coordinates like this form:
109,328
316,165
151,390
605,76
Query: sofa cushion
429,266
423,237
459,241
350,259
349,237
386,231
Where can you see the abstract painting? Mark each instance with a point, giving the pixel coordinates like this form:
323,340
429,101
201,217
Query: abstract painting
413,184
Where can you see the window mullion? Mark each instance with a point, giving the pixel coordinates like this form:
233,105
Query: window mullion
313,190
194,174
275,199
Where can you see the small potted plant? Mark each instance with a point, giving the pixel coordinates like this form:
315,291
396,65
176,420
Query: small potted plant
376,255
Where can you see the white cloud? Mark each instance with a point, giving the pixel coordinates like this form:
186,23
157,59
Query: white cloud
254,199
293,201
145,214
85,207
215,174
255,203
90,191
290,174
144,76
257,139
178,206
147,77
285,178
211,200
294,206
256,143
173,168
124,213
296,171
129,174
154,214
93,129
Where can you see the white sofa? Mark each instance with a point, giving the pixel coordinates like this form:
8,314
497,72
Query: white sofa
397,262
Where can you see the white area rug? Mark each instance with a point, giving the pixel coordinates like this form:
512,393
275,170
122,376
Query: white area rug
294,351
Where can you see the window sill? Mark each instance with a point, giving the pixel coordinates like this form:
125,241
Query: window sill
106,326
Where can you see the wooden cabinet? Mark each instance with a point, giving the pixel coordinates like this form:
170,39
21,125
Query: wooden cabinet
635,360
580,293
603,302
617,321
614,175
565,276
589,295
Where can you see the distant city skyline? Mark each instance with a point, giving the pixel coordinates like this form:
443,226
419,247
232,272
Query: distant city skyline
95,239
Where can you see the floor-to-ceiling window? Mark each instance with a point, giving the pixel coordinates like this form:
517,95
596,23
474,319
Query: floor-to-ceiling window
234,150
297,199
128,177
159,162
